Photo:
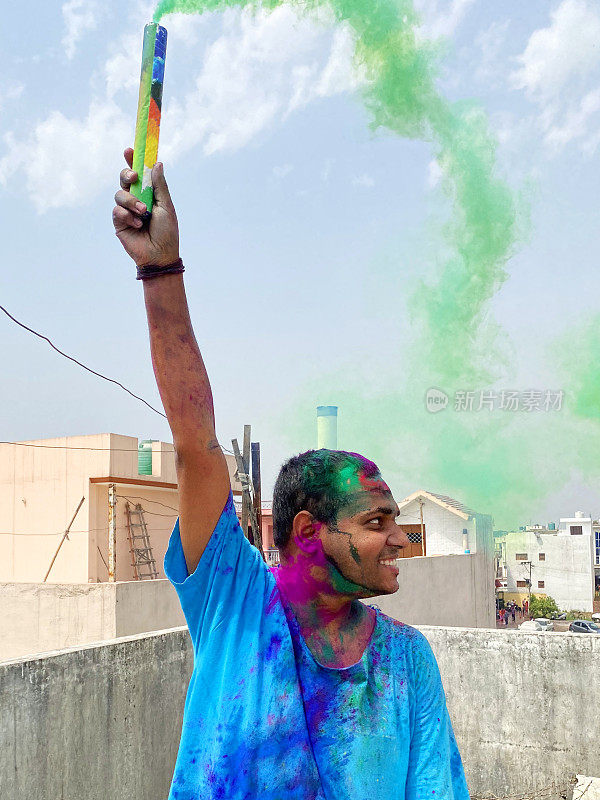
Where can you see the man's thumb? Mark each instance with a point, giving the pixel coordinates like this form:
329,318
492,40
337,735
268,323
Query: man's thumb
159,184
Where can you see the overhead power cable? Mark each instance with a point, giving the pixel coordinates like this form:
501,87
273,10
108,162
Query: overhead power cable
61,533
88,369
93,371
146,500
95,449
71,447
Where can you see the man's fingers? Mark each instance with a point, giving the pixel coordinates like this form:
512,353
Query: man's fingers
159,184
122,218
126,178
128,153
130,202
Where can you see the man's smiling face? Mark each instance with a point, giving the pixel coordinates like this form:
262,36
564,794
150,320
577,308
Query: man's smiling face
365,540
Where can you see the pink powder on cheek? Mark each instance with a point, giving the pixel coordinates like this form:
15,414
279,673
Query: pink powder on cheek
298,582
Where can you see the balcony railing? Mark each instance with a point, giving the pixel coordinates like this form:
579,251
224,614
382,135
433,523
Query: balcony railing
272,556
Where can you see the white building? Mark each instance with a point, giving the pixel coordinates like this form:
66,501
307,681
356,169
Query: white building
448,526
558,563
447,572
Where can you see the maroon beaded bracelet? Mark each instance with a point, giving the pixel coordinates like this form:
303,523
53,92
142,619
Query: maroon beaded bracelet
153,270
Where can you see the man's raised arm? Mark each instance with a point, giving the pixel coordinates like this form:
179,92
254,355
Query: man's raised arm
182,381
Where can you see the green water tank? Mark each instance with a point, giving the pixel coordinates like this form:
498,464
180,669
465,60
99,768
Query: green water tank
145,456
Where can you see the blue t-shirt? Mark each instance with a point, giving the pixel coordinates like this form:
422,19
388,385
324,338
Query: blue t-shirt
264,721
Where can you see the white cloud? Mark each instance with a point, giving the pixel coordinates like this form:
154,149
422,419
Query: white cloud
263,66
13,159
575,124
282,171
568,47
122,69
438,23
251,77
559,72
365,181
79,16
65,160
338,75
11,92
184,28
434,174
489,65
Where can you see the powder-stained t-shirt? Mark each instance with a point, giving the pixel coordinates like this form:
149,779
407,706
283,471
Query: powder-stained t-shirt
263,720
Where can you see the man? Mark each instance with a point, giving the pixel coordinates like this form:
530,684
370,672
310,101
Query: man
299,691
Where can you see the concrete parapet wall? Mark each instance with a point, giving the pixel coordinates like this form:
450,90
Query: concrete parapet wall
98,723
525,706
40,617
104,721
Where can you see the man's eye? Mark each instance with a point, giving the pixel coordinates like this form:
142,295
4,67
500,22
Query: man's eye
374,521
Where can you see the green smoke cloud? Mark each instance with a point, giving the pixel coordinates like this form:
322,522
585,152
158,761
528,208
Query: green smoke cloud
496,462
401,96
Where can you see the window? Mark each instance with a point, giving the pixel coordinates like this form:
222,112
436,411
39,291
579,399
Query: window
542,556
540,584
576,530
521,584
521,556
597,547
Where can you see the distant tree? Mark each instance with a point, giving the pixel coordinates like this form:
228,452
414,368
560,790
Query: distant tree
542,606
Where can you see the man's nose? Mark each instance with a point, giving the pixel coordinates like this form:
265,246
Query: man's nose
398,537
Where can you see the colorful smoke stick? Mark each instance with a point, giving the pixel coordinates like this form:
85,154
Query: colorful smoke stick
147,127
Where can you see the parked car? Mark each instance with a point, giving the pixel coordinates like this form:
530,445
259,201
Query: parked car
545,623
595,617
531,625
584,626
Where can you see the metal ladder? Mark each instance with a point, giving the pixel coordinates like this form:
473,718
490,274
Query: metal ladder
142,559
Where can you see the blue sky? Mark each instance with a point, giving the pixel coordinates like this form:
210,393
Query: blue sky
300,228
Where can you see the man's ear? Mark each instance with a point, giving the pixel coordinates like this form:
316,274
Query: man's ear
305,531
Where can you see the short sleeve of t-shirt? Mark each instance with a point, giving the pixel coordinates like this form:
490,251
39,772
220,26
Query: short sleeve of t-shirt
435,767
244,732
231,578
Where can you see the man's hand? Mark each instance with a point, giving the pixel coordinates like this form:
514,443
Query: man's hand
158,242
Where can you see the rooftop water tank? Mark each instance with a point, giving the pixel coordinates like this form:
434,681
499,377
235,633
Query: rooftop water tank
145,456
552,526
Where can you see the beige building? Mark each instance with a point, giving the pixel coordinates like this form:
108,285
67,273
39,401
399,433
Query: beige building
41,485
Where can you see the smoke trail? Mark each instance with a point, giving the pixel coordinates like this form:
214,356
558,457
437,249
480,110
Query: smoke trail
401,95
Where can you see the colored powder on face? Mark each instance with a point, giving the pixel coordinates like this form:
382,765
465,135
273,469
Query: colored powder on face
332,479
354,553
309,575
